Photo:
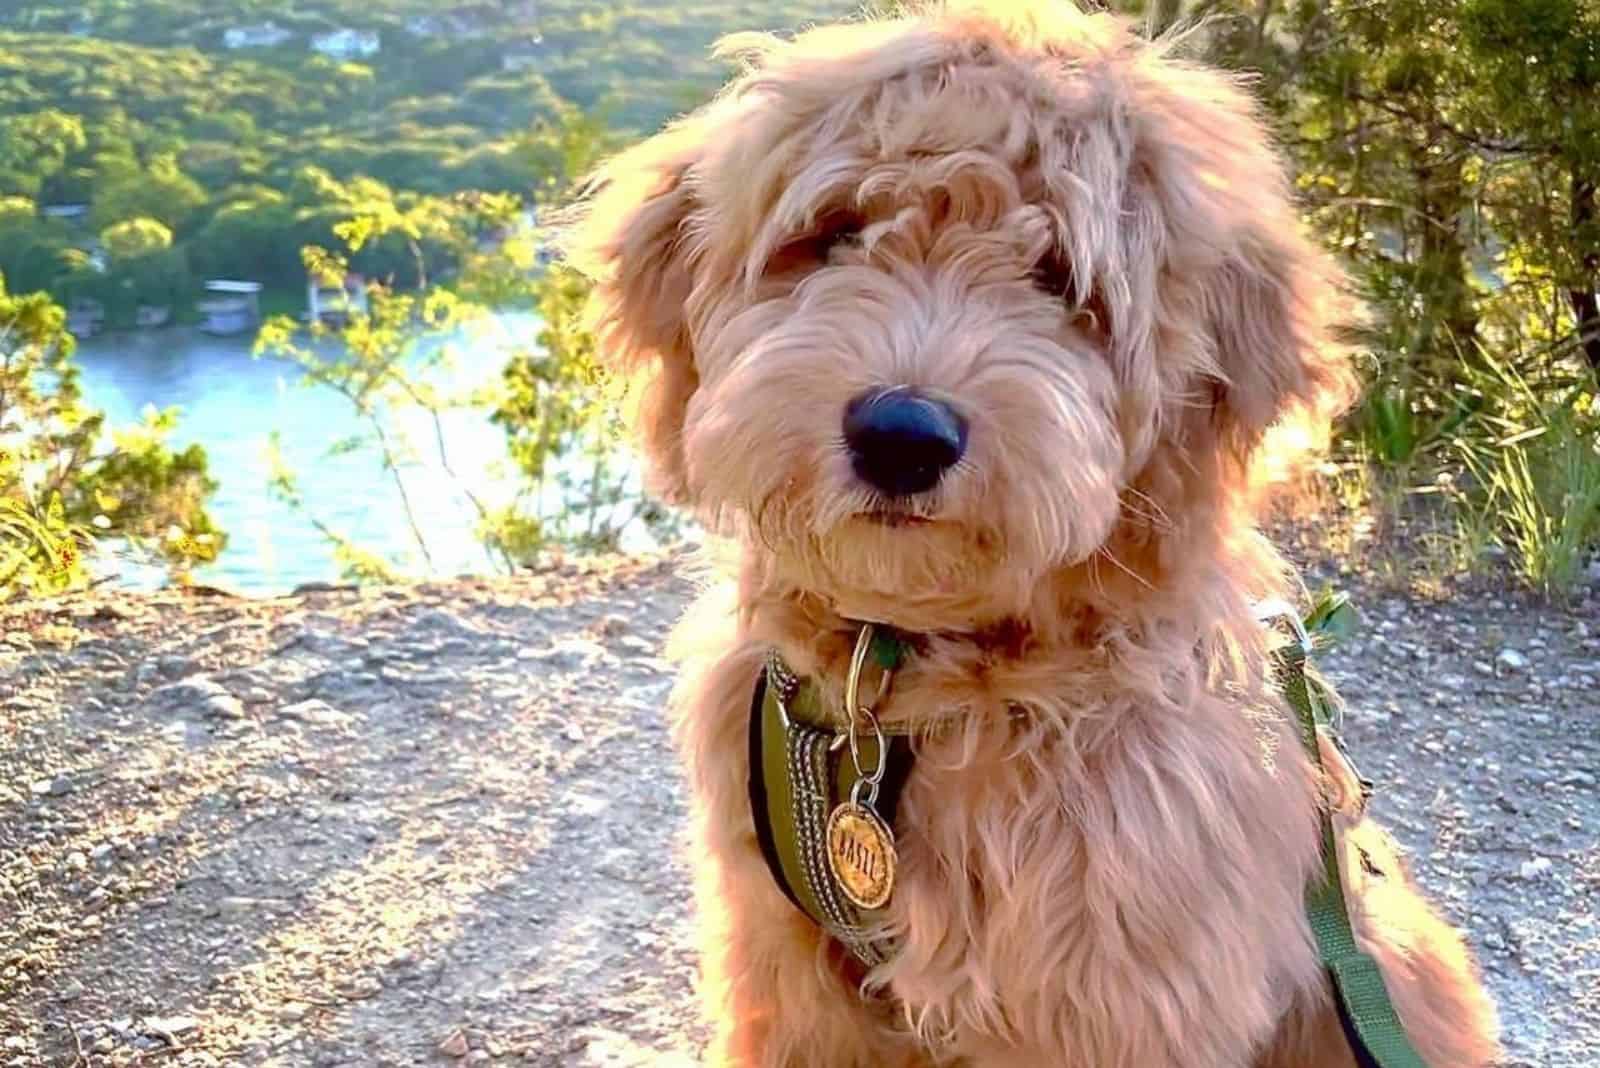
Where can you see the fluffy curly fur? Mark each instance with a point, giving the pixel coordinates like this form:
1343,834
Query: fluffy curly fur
1085,245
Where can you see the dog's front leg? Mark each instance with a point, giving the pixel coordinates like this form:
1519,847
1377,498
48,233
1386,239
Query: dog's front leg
770,980
772,984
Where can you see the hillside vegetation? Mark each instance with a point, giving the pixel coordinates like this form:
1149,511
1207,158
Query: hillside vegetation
142,110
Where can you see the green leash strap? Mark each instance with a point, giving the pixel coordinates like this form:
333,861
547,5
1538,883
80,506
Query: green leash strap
1366,1012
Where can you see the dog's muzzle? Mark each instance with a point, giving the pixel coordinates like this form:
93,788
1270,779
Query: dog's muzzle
901,442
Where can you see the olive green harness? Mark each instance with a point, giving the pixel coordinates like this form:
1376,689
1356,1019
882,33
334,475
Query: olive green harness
824,787
824,794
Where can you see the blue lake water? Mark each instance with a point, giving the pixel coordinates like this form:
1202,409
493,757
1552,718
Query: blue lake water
231,403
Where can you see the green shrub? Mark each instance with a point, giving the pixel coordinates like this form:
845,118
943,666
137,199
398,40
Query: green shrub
64,491
1535,462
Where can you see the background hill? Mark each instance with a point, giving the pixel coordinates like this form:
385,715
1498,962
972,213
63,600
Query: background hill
492,65
216,120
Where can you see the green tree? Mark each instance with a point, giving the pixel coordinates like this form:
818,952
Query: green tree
562,431
257,237
565,436
161,191
1536,122
133,239
1448,149
32,250
15,210
397,348
144,269
393,356
35,147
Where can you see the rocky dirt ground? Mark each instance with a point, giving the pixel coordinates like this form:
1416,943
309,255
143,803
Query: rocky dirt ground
439,824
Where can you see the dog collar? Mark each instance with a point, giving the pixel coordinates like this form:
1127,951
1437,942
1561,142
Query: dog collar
823,791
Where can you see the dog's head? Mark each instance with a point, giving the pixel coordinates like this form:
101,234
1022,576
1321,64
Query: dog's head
936,307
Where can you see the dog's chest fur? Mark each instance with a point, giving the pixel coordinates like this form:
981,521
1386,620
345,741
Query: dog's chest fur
1095,877
1056,861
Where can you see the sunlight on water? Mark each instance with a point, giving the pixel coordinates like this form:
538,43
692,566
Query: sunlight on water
231,403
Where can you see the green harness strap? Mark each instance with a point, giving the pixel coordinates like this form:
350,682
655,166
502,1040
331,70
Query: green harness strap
1366,1011
800,772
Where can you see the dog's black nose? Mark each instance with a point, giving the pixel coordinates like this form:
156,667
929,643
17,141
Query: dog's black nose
902,442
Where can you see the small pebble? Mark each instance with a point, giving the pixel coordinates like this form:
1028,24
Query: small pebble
1511,660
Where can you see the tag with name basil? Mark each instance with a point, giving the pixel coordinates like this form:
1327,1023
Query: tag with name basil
861,855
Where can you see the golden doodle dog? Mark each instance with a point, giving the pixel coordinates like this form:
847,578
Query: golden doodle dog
979,323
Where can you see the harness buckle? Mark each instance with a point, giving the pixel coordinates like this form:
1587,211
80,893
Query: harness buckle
1277,610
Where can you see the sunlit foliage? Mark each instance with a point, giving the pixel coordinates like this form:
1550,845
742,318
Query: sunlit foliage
66,479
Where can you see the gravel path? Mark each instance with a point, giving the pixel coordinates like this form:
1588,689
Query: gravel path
438,824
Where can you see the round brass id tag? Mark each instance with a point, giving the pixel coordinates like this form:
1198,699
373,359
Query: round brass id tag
861,855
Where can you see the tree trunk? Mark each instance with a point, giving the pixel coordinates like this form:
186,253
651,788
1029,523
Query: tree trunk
1263,13
1442,202
1583,297
1163,13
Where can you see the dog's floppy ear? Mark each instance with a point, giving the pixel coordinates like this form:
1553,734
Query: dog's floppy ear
1212,262
1274,306
631,236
